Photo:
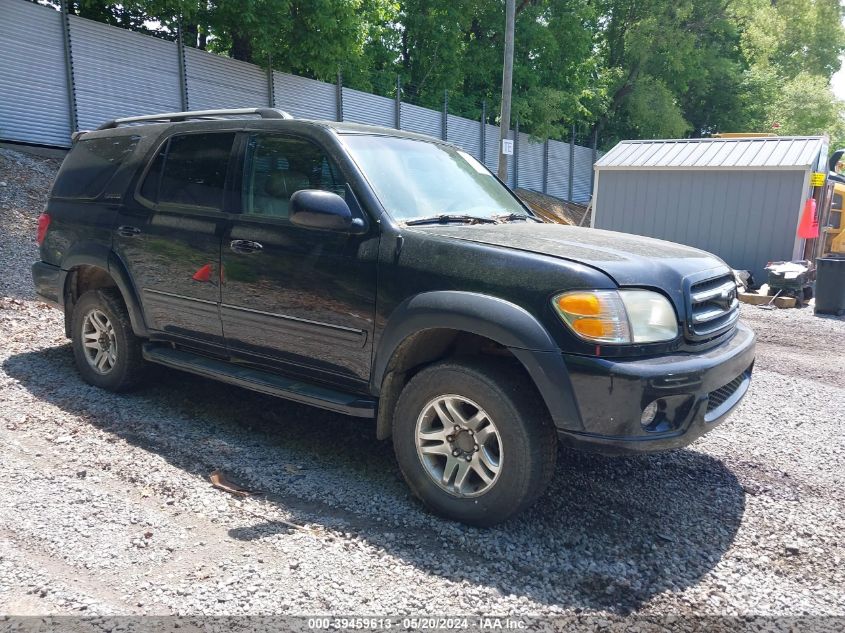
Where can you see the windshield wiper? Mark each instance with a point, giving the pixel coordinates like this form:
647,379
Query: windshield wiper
446,218
510,217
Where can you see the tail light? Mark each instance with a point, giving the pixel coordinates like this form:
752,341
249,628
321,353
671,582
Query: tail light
43,225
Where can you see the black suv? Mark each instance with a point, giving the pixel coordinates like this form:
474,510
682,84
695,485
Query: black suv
391,276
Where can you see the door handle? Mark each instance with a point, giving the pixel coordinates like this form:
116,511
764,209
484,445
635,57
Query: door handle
245,246
128,231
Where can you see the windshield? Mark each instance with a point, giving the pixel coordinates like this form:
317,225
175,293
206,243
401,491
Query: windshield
417,179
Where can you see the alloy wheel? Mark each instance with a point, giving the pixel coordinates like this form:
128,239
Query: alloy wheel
459,445
99,341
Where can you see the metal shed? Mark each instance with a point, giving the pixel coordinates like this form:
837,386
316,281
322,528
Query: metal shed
740,198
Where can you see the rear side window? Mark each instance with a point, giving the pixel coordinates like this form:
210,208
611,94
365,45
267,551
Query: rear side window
90,165
190,170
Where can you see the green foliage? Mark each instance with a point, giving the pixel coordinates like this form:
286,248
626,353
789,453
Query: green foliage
794,36
804,105
626,68
792,49
652,111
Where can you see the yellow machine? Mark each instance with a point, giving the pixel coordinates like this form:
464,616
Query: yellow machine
833,232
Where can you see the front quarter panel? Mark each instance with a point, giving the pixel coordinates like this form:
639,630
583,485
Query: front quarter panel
413,262
429,282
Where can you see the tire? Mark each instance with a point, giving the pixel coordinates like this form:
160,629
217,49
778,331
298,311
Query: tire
517,458
100,318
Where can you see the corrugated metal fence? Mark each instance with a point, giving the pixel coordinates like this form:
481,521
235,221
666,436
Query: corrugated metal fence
60,73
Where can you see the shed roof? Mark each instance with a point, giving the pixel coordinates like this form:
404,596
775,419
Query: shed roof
781,152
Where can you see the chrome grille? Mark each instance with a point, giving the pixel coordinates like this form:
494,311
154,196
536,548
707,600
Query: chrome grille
713,307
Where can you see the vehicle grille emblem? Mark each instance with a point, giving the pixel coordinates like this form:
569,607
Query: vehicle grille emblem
725,299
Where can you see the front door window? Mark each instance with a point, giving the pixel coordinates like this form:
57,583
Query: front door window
277,167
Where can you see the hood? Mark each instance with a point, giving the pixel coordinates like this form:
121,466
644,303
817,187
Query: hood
630,260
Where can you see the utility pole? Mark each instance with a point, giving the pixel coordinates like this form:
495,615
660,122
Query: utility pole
507,86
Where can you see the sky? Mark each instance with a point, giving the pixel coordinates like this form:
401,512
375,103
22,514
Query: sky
837,83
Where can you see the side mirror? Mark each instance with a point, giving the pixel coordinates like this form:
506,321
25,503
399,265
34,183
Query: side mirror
322,210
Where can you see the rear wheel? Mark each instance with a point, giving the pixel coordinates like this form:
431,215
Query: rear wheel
106,350
474,442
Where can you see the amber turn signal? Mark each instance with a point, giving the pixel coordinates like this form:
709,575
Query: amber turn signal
593,328
595,315
580,304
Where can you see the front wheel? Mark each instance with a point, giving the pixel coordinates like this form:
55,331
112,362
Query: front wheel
474,442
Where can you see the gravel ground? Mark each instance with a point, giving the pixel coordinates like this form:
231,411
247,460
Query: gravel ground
106,507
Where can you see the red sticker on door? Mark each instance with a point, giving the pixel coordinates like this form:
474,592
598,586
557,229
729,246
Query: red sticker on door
203,274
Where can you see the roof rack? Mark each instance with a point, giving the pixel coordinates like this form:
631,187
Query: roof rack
264,113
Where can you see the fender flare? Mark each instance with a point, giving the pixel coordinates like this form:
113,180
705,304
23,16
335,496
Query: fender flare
496,319
86,253
101,256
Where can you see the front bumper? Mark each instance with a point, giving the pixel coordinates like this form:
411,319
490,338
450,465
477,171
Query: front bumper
695,392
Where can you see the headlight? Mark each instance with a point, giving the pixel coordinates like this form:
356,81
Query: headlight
651,316
617,316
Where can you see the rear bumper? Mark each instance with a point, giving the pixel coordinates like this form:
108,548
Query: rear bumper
694,392
47,280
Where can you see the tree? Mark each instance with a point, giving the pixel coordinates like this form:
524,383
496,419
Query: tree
457,47
792,48
805,105
793,36
662,63
317,38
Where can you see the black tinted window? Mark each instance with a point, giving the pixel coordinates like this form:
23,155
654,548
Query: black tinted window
276,167
190,170
90,165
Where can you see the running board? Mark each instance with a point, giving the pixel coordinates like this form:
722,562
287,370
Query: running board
262,381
